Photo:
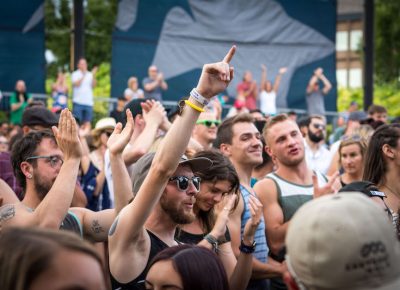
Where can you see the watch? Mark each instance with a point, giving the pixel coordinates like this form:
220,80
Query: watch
247,249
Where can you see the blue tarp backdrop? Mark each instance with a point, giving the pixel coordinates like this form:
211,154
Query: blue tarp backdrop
180,35
22,45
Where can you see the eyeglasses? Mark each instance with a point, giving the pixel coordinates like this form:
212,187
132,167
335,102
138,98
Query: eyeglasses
3,143
209,123
54,160
182,182
319,126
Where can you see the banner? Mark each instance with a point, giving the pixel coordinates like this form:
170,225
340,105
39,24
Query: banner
22,45
180,36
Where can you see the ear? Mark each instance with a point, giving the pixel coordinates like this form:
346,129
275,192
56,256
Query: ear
26,130
388,151
26,169
225,149
268,151
289,281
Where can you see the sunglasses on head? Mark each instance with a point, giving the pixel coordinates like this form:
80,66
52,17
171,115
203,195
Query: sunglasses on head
319,126
182,182
209,123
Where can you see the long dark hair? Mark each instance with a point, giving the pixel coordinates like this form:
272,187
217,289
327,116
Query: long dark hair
221,170
375,166
198,267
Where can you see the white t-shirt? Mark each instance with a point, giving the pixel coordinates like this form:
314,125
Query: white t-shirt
83,94
268,102
133,95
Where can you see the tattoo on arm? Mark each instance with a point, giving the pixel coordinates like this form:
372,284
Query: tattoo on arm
96,227
7,212
113,227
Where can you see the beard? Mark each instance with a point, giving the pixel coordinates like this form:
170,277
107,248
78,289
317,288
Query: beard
177,214
41,187
314,137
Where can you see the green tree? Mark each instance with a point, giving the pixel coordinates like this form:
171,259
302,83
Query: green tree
387,40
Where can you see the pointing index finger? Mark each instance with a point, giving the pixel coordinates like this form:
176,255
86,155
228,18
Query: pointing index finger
228,57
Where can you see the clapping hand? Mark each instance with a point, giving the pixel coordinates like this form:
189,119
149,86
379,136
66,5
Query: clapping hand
250,228
120,138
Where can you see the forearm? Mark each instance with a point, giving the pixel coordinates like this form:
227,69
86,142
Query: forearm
242,272
276,237
100,178
144,141
121,181
16,106
177,139
164,85
52,210
265,270
151,86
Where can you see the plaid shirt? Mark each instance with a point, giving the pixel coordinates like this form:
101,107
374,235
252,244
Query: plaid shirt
7,173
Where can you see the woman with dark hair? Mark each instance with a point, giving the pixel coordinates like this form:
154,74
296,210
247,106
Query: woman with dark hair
33,259
187,267
219,187
382,165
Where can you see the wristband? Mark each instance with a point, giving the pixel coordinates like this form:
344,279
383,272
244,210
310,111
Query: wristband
199,98
193,106
213,241
247,249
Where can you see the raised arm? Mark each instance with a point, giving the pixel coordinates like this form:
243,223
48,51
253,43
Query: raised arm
278,78
263,77
327,84
53,208
313,80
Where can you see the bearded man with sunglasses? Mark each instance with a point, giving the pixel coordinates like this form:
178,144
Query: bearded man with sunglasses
317,155
164,185
205,131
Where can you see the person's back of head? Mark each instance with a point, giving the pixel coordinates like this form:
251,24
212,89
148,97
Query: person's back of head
197,267
27,253
342,242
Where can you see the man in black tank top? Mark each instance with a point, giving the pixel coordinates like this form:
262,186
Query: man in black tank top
164,184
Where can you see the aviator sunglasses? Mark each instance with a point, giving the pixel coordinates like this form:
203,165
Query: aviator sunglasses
182,182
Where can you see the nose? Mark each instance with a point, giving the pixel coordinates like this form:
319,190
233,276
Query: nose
191,189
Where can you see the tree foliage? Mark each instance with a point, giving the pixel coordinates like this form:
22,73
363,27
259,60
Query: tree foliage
387,40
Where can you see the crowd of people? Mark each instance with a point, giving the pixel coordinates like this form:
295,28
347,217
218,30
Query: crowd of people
187,199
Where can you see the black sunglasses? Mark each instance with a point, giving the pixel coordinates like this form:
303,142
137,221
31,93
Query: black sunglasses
209,123
182,182
319,126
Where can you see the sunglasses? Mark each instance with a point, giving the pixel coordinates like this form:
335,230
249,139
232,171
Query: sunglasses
54,160
182,182
209,123
108,133
319,126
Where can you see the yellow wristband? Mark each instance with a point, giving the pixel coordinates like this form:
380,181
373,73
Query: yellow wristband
193,106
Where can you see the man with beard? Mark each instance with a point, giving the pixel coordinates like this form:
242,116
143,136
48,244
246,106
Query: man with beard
317,156
205,130
290,186
164,185
239,140
47,168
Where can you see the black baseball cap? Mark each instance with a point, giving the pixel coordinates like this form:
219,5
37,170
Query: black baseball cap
39,115
365,187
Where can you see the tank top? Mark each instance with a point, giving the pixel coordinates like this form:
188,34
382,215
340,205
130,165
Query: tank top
291,196
156,246
261,252
193,239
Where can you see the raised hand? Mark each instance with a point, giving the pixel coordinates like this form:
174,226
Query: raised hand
332,186
120,138
263,67
94,70
318,72
219,228
215,77
67,136
282,70
153,112
250,228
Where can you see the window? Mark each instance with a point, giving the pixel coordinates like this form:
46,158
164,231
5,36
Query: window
341,78
356,39
342,42
355,80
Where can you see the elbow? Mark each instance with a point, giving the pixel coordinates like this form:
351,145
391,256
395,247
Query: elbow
276,246
50,224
